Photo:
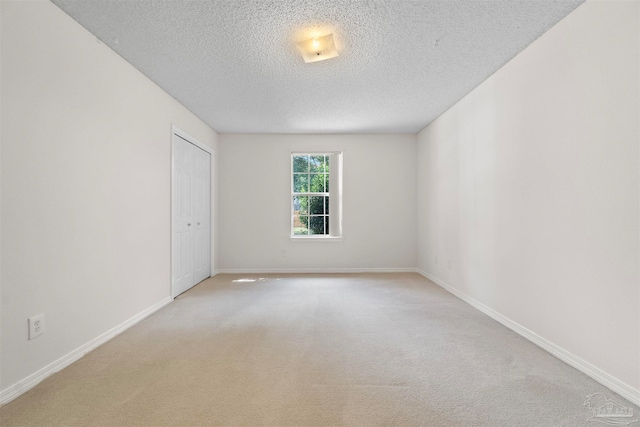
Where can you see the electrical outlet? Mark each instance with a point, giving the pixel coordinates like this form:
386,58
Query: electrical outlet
36,326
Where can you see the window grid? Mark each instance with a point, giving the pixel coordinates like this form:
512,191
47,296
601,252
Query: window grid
310,194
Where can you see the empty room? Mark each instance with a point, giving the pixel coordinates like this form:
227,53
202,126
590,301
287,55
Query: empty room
319,213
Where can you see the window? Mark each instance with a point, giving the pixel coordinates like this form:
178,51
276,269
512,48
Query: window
314,200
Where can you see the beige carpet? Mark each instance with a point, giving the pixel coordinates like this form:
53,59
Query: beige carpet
313,350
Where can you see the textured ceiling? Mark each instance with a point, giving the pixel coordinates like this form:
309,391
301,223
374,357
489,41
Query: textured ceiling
235,65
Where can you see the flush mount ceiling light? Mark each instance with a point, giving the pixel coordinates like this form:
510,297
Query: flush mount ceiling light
318,48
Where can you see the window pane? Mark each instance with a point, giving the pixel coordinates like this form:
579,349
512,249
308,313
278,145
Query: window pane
326,205
300,224
326,163
317,183
316,225
316,205
326,183
300,183
300,204
326,225
301,163
316,163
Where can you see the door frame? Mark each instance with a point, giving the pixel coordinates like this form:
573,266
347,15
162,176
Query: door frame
177,132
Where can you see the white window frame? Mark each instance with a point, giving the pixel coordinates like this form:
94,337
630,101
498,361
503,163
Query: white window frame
335,197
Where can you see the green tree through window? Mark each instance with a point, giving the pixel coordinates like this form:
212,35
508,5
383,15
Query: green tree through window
310,195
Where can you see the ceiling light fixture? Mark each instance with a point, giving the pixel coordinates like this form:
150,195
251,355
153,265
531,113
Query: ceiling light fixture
318,48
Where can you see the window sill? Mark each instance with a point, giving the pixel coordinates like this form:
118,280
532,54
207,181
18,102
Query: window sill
325,239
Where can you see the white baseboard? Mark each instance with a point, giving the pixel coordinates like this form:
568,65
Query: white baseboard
583,366
22,386
314,270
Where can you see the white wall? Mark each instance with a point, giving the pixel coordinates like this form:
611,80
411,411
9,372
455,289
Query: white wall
530,186
85,175
379,210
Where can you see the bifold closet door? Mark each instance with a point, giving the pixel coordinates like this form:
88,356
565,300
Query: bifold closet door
191,205
201,217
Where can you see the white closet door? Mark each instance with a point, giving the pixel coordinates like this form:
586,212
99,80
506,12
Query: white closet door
202,207
191,205
182,217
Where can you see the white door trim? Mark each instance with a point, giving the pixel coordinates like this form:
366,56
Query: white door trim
175,130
